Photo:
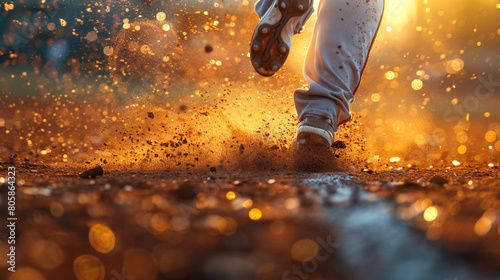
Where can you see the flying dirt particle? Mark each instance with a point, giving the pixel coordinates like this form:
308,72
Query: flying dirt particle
213,169
339,145
183,108
151,115
438,180
242,149
92,173
208,48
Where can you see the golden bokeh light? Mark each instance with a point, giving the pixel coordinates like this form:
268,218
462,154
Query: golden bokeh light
430,214
417,84
292,203
482,226
389,75
454,66
227,226
230,195
108,50
490,136
159,222
462,137
161,16
255,214
462,149
27,273
304,250
56,209
88,267
101,238
248,203
375,97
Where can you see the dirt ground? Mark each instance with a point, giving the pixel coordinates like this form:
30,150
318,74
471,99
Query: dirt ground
409,223
167,86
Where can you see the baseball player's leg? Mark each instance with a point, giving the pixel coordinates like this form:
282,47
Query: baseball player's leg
342,38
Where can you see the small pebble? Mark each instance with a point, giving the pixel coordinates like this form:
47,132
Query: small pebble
92,173
439,180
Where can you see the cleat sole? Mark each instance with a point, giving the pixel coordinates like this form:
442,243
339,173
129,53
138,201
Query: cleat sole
273,51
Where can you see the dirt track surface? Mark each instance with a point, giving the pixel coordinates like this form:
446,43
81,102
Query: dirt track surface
399,224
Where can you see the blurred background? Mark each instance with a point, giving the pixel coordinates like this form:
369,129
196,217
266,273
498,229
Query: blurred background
77,75
162,96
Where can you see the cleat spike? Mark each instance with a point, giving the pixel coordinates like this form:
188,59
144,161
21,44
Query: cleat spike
265,30
256,47
300,7
282,49
283,5
255,64
275,67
